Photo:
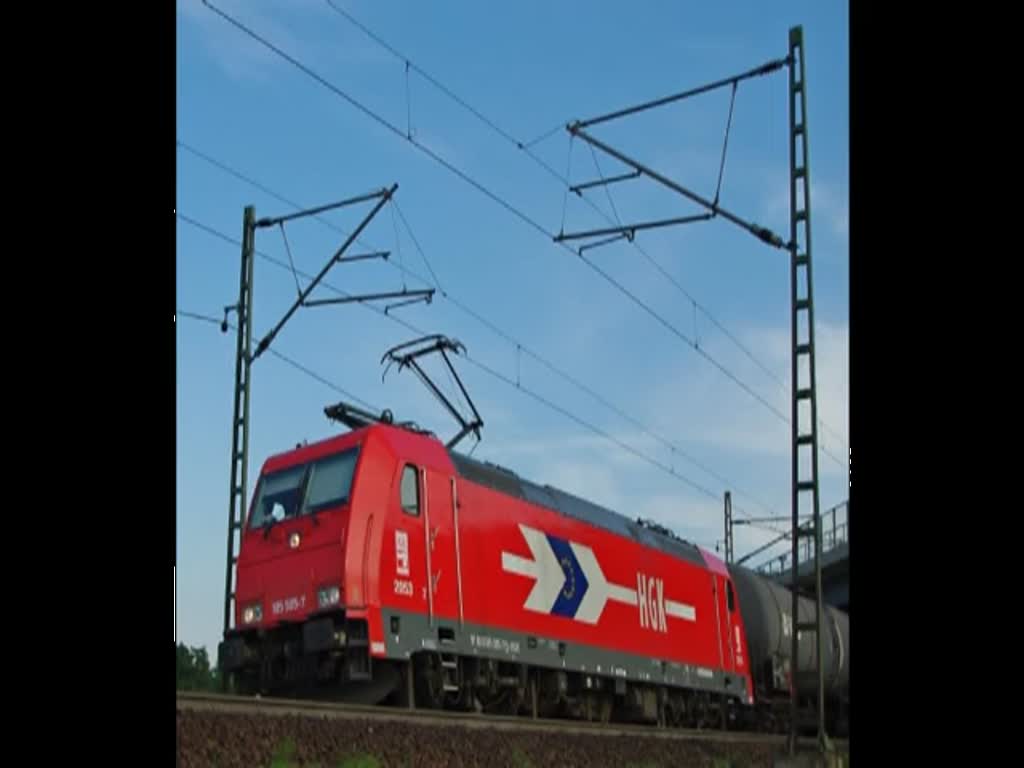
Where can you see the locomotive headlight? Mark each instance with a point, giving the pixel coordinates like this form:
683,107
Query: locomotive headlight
252,614
327,596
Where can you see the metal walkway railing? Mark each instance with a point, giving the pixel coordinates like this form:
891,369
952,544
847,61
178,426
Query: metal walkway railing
835,527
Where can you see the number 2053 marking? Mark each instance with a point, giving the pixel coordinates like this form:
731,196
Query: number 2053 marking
403,587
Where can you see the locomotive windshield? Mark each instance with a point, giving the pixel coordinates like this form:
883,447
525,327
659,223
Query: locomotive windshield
304,489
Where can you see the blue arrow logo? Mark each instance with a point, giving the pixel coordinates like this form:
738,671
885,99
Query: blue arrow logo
575,587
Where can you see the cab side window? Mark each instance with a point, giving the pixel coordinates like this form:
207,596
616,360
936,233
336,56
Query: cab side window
729,597
410,491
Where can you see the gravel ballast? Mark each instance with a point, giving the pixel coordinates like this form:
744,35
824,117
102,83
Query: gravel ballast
234,740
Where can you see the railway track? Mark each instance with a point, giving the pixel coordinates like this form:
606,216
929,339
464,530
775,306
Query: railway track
247,705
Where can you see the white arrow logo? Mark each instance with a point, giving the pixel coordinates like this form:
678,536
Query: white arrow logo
592,607
544,567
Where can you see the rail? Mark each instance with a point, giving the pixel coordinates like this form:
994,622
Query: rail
834,531
226,703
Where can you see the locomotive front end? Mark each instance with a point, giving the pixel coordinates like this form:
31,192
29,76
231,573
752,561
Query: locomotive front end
291,625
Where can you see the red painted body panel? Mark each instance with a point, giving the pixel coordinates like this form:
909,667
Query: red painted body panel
286,586
490,526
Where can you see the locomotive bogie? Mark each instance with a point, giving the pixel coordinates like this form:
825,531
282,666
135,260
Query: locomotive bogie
326,651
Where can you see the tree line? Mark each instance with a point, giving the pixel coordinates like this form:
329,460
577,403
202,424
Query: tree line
193,671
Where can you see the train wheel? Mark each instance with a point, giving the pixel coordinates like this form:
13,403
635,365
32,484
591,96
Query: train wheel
429,681
244,682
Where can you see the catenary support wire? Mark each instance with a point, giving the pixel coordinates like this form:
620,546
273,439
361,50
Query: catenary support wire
488,324
482,320
735,80
501,377
481,188
539,358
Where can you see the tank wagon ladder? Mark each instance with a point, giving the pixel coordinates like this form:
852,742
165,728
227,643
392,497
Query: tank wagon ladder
802,304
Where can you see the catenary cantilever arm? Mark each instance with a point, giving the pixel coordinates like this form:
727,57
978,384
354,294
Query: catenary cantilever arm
762,233
764,69
384,196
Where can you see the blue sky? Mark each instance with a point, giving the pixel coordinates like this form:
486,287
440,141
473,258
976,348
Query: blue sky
530,67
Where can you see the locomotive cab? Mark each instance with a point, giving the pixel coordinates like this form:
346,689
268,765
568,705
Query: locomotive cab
299,512
290,595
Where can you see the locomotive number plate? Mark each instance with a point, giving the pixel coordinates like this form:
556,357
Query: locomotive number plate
288,605
494,644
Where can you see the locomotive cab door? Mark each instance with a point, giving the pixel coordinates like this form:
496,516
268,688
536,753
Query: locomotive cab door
725,615
729,622
443,587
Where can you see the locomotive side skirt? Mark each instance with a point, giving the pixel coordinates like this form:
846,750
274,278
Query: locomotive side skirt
415,634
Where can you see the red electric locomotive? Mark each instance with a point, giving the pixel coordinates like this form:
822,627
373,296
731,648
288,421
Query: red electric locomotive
379,564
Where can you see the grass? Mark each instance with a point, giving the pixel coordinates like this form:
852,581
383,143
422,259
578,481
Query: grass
360,761
284,757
